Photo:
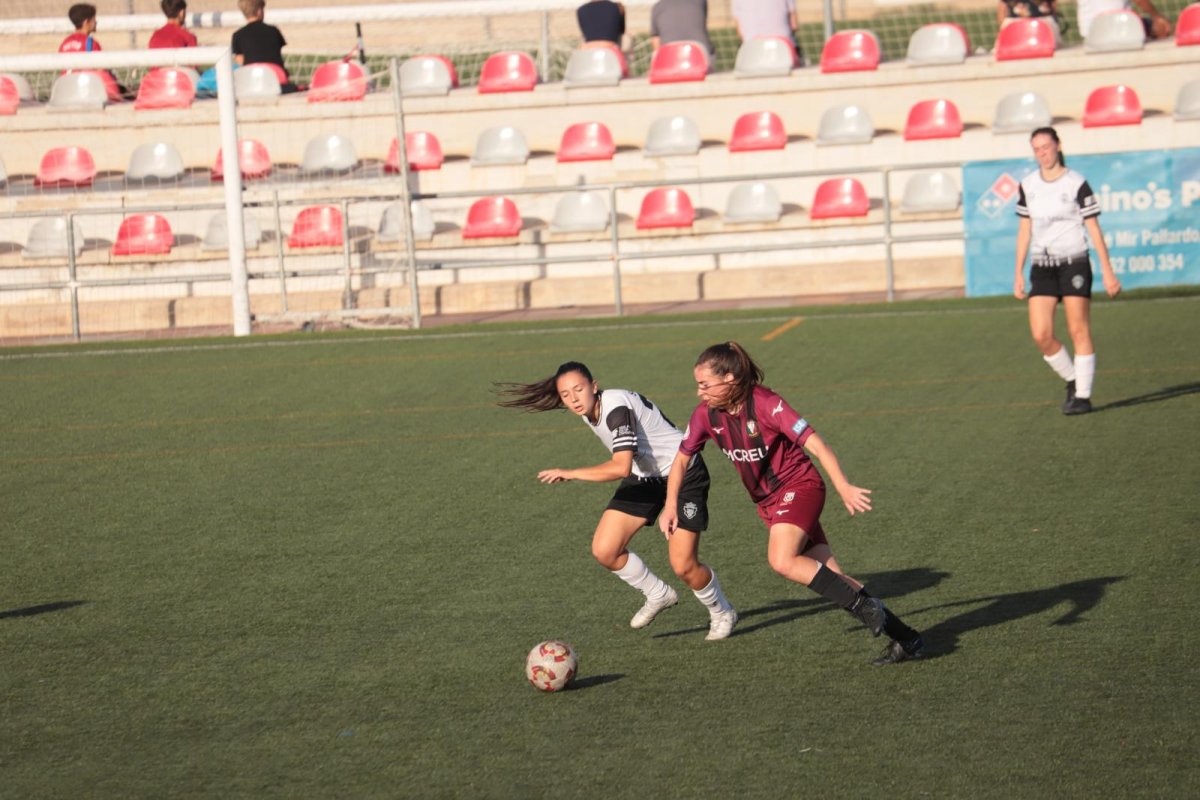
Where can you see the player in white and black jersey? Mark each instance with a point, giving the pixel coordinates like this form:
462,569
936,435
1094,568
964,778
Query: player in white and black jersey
643,443
1055,207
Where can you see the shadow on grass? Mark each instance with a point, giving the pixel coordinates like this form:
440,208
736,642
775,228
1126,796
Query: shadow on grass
45,608
594,680
1165,393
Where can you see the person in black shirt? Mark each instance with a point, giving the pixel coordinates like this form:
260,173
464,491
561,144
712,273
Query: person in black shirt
256,42
602,22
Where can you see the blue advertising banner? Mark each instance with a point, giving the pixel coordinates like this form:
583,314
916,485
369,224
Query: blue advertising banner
1150,215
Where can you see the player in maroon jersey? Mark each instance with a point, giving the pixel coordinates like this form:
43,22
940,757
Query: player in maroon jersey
766,440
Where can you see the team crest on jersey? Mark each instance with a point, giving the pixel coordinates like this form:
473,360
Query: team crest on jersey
690,510
1077,281
789,497
751,427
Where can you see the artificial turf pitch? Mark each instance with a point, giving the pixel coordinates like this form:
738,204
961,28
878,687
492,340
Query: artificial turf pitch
312,566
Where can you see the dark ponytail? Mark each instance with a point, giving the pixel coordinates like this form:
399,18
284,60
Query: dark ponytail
728,358
540,395
1053,134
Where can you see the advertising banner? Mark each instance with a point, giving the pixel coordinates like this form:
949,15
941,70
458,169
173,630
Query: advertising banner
1149,212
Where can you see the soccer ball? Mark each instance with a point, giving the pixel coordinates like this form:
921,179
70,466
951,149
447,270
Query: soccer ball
550,665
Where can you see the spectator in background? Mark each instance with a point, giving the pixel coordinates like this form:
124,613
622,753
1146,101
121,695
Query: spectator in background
1157,26
760,19
173,34
680,21
83,17
256,42
602,22
1045,10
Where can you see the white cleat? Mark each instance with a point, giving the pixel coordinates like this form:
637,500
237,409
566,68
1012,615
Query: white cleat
720,625
649,611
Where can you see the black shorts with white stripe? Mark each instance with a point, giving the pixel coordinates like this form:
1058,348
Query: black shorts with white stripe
644,497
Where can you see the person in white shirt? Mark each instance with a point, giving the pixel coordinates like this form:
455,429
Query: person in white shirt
1157,26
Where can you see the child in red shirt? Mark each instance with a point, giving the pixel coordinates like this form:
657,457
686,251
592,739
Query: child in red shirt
173,34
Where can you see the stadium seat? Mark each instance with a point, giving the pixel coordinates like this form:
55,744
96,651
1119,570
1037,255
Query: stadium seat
1187,27
1187,102
1025,38
10,97
845,125
1112,105
1021,112
753,202
1113,31
160,160
759,130
679,62
492,216
329,153
337,81
672,136
840,197
938,43
933,119
427,75
166,87
586,141
390,223
253,158
595,66
850,51
143,235
24,90
512,71
48,239
666,207
216,235
424,152
66,166
317,226
764,57
79,90
256,82
502,145
580,211
931,191
3,173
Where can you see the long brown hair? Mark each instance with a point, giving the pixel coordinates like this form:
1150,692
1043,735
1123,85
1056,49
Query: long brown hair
730,358
540,395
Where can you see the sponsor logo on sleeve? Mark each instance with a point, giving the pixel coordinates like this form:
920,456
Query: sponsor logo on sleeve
800,425
719,430
623,430
778,409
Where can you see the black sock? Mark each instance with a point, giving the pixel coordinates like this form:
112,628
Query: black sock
894,628
835,588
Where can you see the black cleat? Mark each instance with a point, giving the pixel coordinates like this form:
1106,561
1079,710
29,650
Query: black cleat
1077,405
1070,396
896,652
870,612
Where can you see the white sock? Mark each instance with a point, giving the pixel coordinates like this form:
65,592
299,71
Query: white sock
1060,362
1085,372
638,575
712,596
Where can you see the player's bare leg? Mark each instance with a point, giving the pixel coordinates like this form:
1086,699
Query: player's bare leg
610,547
1079,324
683,548
1041,327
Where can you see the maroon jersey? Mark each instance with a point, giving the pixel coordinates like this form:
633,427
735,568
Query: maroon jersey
764,441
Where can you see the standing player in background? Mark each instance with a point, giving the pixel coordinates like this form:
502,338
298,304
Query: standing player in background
174,33
1055,207
643,443
766,440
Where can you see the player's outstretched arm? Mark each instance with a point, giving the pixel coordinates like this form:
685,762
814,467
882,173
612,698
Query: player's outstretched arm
669,517
855,498
615,469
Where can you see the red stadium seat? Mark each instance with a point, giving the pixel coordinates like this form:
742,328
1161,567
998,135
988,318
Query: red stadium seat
1187,27
507,72
587,141
666,208
144,235
166,87
337,81
492,216
66,166
253,159
10,97
761,130
1112,105
317,226
840,197
850,51
933,119
279,71
1025,38
424,152
678,62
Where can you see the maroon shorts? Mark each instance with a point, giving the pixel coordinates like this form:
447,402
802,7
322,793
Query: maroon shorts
799,505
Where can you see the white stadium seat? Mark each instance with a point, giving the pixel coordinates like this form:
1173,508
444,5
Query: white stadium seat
48,239
845,125
931,191
753,202
331,153
390,224
580,211
673,136
501,145
78,90
1021,112
216,236
160,160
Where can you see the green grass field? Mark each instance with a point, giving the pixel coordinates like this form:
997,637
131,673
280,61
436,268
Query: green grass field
311,567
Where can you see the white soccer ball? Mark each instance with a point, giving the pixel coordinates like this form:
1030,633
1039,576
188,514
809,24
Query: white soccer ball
550,665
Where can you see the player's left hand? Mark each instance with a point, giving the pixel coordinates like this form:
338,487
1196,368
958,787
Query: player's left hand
1112,285
553,476
855,498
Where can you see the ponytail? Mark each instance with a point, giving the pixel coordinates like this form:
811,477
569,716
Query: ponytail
540,395
728,358
1053,134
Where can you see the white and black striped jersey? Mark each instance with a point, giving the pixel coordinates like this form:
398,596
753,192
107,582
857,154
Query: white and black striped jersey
628,421
1057,209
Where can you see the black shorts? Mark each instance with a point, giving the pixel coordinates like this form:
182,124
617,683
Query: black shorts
1061,277
644,497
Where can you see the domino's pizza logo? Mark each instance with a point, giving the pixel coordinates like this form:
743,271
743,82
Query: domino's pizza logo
1002,191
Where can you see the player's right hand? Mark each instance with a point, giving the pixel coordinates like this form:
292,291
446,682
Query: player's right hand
1019,287
667,521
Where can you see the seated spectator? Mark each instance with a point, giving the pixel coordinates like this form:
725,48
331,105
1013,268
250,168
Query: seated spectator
680,21
1157,26
1045,10
256,42
173,34
602,22
758,19
83,17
